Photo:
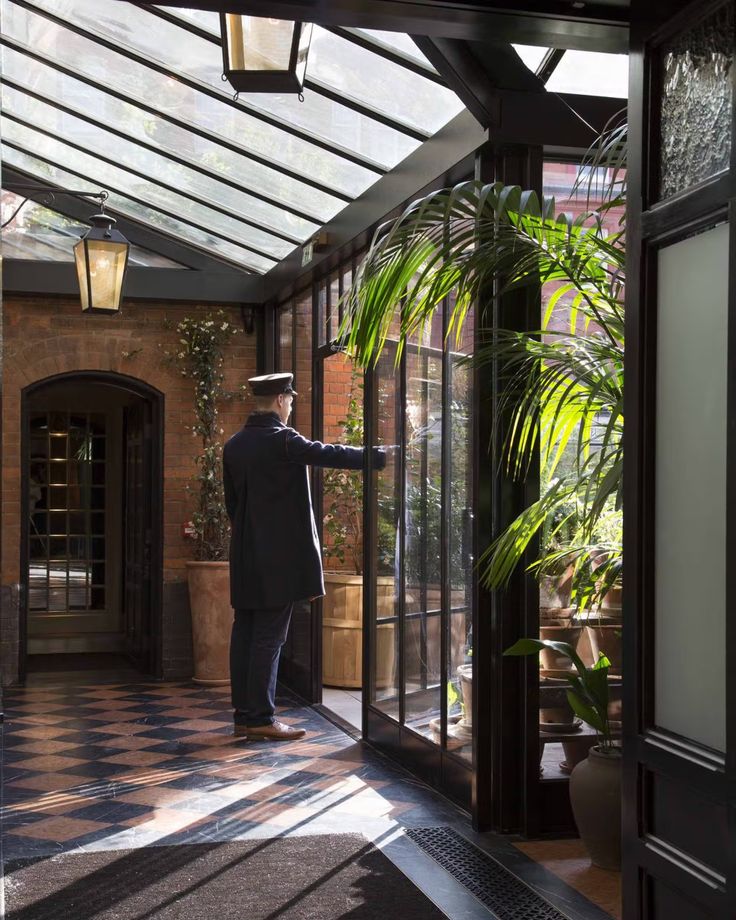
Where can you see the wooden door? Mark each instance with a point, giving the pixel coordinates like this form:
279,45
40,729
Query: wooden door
680,502
73,527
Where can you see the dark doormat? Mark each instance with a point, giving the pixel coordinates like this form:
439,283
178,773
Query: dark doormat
293,878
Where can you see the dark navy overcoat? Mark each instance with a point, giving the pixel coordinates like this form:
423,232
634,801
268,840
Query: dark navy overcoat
275,555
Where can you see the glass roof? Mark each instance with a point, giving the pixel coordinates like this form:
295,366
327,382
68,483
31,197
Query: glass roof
132,100
38,233
591,73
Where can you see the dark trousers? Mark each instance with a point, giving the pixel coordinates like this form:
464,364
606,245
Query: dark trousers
255,648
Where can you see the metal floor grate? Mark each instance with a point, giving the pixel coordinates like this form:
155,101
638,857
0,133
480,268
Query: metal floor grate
491,883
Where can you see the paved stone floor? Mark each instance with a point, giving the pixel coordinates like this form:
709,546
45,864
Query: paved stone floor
118,766
102,766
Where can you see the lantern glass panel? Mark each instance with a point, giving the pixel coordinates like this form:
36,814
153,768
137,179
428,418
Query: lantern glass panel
256,43
106,260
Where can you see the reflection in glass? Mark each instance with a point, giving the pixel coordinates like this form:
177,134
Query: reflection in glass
388,502
423,516
460,548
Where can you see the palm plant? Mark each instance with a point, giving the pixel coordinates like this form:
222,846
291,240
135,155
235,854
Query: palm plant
562,385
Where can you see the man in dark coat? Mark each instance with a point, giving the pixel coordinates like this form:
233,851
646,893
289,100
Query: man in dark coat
275,555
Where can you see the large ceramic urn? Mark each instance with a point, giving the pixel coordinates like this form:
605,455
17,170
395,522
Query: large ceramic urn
212,621
595,796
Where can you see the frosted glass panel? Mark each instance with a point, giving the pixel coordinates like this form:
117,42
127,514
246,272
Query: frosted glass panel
697,98
690,518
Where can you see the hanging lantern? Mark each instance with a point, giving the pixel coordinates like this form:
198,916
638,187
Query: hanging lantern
102,257
264,55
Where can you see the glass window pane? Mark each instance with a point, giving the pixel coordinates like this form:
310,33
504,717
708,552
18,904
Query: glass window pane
37,232
691,481
423,515
40,169
531,55
399,41
326,118
185,144
170,45
460,544
697,92
303,369
385,638
591,73
361,74
286,336
152,168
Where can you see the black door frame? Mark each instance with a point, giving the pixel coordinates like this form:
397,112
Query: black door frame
155,398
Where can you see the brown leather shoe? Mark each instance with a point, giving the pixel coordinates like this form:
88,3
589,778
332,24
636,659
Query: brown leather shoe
278,731
240,731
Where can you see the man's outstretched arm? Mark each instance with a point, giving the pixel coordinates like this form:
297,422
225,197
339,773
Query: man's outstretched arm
336,456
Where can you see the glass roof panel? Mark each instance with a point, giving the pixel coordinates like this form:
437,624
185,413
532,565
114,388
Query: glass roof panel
317,114
591,73
126,183
39,233
182,52
153,168
39,168
170,139
362,74
398,41
137,82
531,55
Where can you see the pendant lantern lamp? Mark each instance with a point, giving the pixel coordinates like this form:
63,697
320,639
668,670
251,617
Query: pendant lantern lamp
262,55
101,257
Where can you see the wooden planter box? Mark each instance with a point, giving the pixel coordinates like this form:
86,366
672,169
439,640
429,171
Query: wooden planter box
342,631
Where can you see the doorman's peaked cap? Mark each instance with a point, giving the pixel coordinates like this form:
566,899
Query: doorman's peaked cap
272,384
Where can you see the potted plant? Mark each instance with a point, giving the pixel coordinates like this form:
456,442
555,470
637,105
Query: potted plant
200,357
595,783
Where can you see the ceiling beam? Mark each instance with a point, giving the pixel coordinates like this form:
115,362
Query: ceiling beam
511,101
21,276
597,26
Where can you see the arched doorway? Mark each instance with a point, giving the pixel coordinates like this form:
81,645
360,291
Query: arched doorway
91,532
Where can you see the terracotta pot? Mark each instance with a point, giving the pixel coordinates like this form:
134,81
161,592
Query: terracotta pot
595,796
551,659
561,714
606,637
212,621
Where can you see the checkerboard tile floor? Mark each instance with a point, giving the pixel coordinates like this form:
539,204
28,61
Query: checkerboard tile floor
127,765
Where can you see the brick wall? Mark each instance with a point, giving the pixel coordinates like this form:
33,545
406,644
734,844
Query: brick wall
45,336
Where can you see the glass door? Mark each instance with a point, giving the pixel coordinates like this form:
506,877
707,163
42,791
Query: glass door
420,557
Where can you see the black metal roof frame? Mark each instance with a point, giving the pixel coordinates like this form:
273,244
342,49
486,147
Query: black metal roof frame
563,123
600,25
122,219
157,182
210,281
194,129
200,86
